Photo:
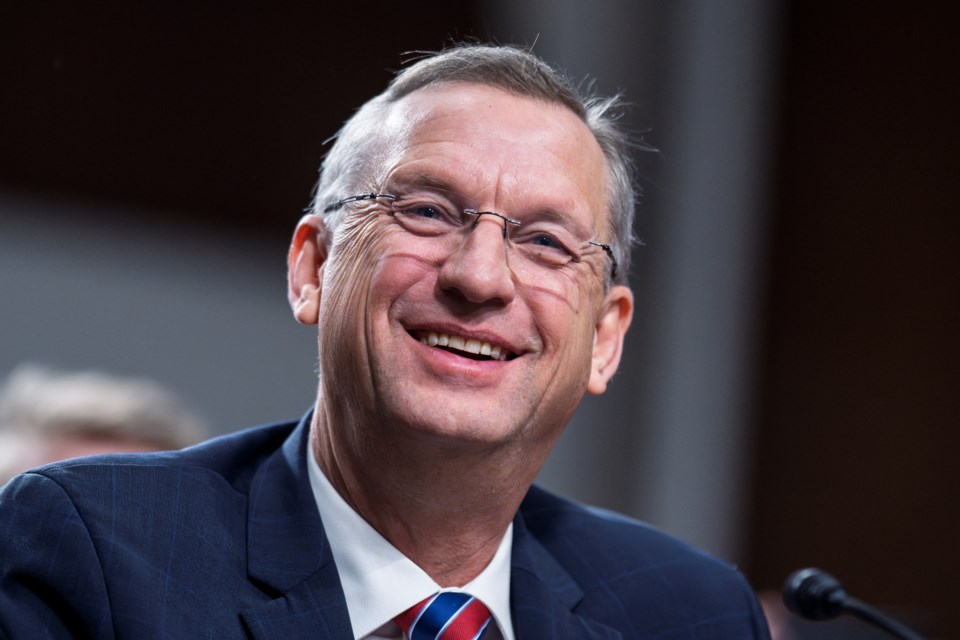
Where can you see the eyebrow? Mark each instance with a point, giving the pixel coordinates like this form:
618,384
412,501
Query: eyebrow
423,180
563,219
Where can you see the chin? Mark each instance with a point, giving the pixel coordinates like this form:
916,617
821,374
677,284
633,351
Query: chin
457,425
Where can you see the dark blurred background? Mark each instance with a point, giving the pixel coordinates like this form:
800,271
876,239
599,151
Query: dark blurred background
790,391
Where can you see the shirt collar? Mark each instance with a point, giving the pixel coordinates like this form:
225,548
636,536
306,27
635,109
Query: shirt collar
379,582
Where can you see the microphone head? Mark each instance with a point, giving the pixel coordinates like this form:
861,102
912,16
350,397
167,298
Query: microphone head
814,594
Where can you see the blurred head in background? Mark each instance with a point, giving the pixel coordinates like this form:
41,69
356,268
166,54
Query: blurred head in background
48,415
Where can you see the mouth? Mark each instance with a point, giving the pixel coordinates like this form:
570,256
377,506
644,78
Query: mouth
472,348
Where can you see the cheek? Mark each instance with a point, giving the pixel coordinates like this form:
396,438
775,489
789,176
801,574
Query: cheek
564,319
560,381
401,279
566,291
345,296
366,278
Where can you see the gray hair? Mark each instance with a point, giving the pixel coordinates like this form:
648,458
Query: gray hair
40,407
47,402
347,168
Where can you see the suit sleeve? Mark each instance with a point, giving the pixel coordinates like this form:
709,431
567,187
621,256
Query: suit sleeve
761,629
51,580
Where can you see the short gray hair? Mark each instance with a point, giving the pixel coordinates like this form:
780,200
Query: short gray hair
347,167
47,402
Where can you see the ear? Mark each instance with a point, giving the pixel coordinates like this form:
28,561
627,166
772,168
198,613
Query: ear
612,325
308,252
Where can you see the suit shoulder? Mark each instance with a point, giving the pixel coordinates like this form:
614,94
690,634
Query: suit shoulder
638,579
598,546
551,518
231,458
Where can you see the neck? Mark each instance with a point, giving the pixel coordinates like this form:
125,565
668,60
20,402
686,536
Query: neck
444,505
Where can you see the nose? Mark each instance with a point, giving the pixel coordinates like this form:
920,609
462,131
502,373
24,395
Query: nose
478,268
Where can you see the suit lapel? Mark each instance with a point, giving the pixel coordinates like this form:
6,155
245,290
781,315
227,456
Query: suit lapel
288,554
314,609
289,557
543,595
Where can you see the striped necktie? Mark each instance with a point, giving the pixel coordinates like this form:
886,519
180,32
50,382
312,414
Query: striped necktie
445,616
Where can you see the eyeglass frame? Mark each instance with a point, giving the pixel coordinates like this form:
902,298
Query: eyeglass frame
472,212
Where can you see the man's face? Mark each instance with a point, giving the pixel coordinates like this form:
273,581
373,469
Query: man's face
387,293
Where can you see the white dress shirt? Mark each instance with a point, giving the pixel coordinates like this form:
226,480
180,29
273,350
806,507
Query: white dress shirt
380,583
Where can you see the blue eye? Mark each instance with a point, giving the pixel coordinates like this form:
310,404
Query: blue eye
544,240
424,217
545,248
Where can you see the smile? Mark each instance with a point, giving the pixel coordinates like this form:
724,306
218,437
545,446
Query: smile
470,347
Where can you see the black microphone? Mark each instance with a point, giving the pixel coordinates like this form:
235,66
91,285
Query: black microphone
816,595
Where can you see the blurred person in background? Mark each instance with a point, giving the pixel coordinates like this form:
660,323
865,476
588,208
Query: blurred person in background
48,415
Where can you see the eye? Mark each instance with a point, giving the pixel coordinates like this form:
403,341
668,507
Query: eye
545,248
426,211
543,243
547,241
424,217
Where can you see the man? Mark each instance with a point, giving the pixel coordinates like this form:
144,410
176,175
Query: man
465,262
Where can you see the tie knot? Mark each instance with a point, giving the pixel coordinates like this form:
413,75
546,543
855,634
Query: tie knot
445,616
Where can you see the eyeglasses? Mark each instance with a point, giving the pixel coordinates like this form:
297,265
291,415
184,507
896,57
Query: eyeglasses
540,244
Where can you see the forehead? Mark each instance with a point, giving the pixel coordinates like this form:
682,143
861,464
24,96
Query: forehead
500,149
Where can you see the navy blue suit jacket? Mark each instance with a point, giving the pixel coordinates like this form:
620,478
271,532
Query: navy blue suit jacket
223,540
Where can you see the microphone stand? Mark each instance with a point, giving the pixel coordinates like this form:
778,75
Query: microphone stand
871,615
816,595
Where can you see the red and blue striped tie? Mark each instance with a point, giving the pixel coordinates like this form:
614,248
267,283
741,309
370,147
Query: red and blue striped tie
445,616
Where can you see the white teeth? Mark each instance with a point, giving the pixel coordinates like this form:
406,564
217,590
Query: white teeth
470,345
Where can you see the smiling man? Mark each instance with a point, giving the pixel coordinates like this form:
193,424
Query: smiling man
465,262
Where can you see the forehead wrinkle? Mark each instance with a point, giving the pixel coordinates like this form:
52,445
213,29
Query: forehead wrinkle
421,179
453,176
